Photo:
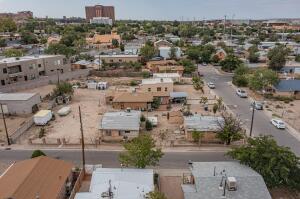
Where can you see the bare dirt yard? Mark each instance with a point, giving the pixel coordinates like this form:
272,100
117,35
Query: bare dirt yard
12,124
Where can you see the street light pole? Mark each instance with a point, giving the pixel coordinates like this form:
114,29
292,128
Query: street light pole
5,127
252,120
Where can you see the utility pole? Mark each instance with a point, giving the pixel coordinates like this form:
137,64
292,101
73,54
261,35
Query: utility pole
5,127
58,71
252,120
82,141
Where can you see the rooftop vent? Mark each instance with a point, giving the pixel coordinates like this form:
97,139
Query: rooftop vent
231,183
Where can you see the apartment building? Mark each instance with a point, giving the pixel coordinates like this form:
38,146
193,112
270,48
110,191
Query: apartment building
19,69
100,11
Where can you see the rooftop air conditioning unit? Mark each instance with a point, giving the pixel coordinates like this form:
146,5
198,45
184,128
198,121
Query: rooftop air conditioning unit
231,183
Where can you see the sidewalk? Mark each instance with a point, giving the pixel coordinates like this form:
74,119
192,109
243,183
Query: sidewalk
118,148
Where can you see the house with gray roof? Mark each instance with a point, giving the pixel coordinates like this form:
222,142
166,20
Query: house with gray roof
288,88
231,180
116,126
208,125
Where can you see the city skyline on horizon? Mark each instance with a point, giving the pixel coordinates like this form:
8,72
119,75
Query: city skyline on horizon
150,10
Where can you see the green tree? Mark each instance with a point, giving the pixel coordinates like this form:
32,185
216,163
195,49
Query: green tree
148,52
263,78
278,165
197,136
13,53
215,108
7,25
253,54
115,43
37,153
60,49
63,88
140,152
155,195
297,58
149,125
156,103
277,57
189,66
198,83
230,63
240,77
28,38
173,52
230,129
2,43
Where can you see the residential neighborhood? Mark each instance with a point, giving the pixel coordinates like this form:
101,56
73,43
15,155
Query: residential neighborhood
125,100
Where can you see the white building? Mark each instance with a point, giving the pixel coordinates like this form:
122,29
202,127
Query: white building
119,184
101,20
165,52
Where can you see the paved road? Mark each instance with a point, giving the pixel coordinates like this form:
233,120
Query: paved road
171,160
241,107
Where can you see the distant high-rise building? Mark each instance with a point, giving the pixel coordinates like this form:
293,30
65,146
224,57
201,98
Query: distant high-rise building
100,11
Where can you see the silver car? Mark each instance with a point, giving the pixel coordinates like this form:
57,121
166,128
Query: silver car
241,93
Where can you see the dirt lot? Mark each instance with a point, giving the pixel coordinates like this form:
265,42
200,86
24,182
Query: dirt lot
12,123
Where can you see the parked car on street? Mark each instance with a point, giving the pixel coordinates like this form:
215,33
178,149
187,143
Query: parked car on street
211,85
278,123
257,105
241,93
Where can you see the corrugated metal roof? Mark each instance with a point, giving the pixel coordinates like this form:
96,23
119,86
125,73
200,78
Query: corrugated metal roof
121,121
16,96
202,123
288,85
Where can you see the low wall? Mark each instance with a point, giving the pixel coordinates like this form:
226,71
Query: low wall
22,129
43,81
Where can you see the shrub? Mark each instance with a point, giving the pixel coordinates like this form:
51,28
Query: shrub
37,153
42,132
133,83
149,125
143,119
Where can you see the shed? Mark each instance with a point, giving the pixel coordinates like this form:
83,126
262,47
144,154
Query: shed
178,97
20,103
289,88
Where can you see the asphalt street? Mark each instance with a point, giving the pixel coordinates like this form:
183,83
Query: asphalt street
171,160
241,107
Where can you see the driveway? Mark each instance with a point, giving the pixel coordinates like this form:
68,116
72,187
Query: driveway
241,107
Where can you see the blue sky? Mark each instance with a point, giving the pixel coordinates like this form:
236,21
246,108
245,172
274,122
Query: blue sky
162,9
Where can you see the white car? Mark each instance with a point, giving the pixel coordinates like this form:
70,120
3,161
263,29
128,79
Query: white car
241,93
211,85
278,123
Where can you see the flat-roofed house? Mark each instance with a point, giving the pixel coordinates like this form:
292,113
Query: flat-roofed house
208,125
134,101
121,183
42,177
231,180
288,88
165,66
174,76
19,103
115,126
118,59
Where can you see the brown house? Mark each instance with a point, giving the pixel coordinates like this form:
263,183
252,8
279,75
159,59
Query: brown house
165,66
41,177
135,101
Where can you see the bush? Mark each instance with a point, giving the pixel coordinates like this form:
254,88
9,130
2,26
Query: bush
146,74
42,133
143,119
149,125
133,83
37,153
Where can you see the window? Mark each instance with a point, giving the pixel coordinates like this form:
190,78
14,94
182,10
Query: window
166,89
2,82
108,133
4,70
111,60
40,65
127,132
158,89
120,60
149,89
